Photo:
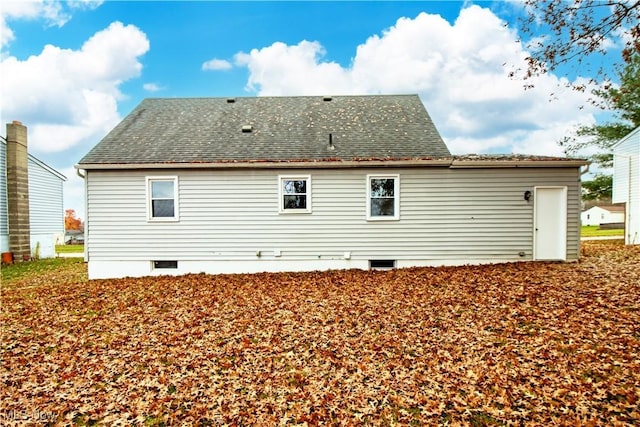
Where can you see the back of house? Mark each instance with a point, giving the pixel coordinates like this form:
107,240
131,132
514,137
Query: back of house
311,183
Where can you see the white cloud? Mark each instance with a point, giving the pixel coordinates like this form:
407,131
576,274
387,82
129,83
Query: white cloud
457,69
54,13
151,87
16,10
622,36
216,65
283,70
84,4
68,97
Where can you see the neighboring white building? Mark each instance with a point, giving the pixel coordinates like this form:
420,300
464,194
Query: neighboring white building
626,182
597,215
310,183
46,212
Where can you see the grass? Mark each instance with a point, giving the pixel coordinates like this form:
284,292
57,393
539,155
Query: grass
52,270
69,249
595,231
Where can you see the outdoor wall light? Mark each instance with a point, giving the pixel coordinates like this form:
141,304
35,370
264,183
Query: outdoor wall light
527,195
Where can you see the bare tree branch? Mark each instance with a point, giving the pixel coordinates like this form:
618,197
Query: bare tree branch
577,29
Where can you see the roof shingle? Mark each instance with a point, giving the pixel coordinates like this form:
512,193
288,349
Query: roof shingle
210,130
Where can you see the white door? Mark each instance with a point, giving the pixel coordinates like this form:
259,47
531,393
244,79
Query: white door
550,223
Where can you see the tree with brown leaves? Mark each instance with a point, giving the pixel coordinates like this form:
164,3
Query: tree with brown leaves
71,222
576,30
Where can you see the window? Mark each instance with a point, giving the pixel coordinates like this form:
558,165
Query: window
295,194
162,195
383,197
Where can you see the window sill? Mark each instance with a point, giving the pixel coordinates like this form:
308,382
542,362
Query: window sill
294,212
163,219
387,219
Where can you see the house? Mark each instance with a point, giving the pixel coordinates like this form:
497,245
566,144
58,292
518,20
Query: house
31,209
603,214
626,183
74,237
309,183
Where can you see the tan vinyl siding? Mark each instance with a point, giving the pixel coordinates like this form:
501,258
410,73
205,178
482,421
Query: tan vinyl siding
445,214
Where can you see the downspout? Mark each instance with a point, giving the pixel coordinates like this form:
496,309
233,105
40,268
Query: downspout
635,236
86,216
582,172
627,213
4,208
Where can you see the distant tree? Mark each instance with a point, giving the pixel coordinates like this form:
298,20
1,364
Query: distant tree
598,189
625,99
624,102
576,29
71,222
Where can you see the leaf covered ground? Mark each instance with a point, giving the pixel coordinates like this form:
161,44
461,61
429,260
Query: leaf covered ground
514,344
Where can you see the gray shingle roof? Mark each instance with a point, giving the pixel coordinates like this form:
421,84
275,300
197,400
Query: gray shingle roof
210,130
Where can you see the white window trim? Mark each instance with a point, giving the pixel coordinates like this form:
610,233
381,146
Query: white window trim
281,195
396,197
176,204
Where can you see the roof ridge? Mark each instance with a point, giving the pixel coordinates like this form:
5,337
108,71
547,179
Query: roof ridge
286,96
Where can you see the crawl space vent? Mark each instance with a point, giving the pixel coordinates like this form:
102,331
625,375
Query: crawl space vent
165,264
382,264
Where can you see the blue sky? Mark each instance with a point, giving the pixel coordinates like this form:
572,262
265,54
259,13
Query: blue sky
71,70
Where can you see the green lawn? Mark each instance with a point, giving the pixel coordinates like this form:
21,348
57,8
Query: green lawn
46,269
594,231
67,249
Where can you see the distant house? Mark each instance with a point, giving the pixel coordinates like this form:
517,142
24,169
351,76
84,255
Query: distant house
311,183
626,182
31,209
604,214
74,237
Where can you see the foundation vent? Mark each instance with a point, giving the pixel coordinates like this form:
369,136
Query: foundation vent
164,264
382,264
